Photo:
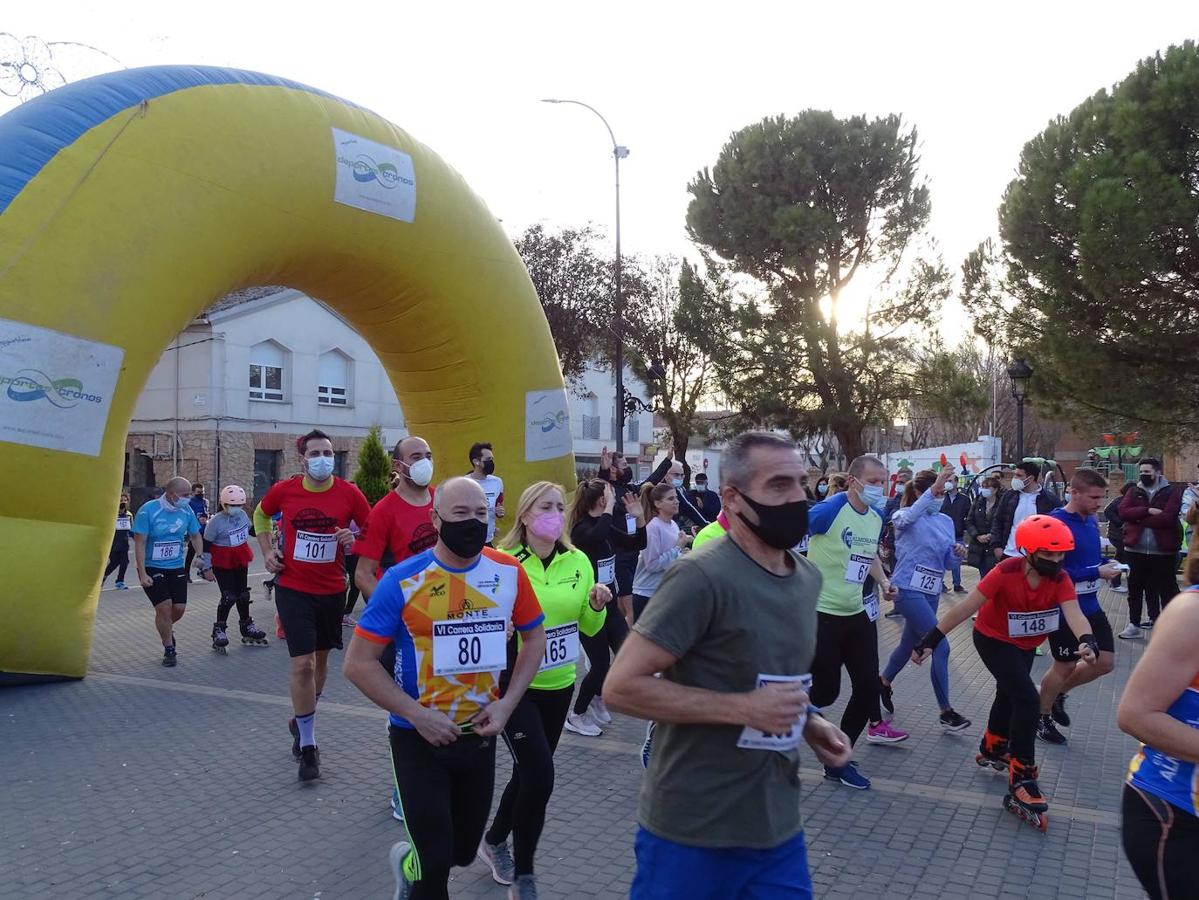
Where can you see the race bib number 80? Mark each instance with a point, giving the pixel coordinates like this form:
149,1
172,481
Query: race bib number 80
469,645
315,548
752,739
1032,624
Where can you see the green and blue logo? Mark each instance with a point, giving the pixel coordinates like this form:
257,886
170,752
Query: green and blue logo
31,385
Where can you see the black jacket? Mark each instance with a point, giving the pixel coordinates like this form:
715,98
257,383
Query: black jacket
688,515
600,538
1005,512
957,507
980,521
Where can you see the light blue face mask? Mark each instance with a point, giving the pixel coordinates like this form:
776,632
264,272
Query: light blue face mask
676,482
320,467
872,494
986,493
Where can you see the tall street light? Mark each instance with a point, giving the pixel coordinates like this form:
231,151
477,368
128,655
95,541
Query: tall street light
1020,374
618,153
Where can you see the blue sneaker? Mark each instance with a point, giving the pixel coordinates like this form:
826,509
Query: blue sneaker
121,586
849,776
648,746
397,811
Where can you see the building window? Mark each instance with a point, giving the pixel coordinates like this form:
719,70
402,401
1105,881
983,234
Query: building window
633,427
591,428
266,371
333,379
340,457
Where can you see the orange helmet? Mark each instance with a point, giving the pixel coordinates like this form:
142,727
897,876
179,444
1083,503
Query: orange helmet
1043,533
233,495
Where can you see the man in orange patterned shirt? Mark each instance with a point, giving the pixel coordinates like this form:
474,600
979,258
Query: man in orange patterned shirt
447,610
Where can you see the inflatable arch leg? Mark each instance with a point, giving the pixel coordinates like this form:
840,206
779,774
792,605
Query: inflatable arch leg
129,202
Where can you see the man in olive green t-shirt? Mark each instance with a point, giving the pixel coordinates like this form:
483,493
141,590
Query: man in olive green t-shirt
732,629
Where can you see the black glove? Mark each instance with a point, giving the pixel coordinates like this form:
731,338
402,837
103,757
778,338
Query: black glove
929,641
1089,640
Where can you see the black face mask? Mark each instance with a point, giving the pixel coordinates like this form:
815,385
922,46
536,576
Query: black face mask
123,507
780,527
1148,480
489,467
1046,567
464,539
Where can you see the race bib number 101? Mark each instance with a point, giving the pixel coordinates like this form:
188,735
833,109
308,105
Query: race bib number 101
752,739
315,548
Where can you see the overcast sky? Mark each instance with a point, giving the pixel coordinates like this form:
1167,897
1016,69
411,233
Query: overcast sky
673,79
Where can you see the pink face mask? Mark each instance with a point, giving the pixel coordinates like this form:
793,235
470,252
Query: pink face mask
548,526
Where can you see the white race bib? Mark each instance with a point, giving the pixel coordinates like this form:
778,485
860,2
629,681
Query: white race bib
165,552
463,646
1032,624
926,580
561,646
314,548
122,523
858,568
802,546
630,524
1086,587
752,739
606,570
240,536
871,604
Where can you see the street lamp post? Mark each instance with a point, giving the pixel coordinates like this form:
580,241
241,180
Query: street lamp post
618,153
1020,374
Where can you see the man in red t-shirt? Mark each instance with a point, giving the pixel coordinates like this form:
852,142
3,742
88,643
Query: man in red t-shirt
1019,603
401,523
310,583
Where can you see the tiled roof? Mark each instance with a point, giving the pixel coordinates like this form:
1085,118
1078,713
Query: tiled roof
245,295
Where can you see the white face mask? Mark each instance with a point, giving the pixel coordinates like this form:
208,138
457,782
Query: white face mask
421,472
1017,484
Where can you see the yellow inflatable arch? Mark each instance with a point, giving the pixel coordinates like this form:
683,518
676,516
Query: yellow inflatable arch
129,202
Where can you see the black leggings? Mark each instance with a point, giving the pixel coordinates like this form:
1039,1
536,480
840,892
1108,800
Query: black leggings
117,562
1150,581
445,794
600,648
353,593
1161,842
1017,704
532,735
850,641
232,583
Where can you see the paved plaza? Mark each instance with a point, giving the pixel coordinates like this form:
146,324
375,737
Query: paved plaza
141,781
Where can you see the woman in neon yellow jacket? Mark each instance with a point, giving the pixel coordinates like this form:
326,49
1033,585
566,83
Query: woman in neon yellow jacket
564,581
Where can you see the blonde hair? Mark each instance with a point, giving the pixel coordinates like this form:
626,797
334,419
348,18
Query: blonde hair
517,535
837,482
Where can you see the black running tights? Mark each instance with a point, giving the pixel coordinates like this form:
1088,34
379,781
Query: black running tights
852,642
445,794
600,649
232,583
532,736
1017,704
1161,842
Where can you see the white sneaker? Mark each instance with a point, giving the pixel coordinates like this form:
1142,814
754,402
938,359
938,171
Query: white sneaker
583,725
1131,632
1122,589
599,712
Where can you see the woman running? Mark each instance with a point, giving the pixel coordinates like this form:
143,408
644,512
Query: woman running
593,531
1160,708
1019,603
573,604
664,542
227,544
924,548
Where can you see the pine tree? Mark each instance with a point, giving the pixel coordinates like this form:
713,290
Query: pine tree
374,467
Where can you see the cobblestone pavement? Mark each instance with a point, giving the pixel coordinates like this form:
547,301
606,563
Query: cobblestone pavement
145,781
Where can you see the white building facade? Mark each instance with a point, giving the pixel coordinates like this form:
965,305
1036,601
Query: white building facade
229,397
